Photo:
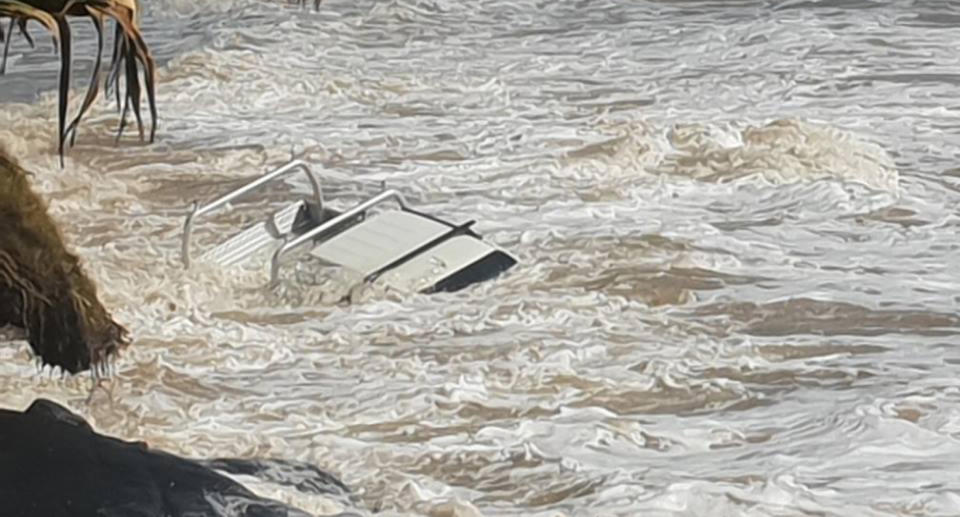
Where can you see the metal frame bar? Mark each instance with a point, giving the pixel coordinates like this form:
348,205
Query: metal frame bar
305,237
463,229
196,210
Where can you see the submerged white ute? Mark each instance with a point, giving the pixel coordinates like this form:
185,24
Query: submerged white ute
406,249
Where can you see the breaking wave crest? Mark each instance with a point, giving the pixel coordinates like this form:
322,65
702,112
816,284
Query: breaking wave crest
781,152
736,288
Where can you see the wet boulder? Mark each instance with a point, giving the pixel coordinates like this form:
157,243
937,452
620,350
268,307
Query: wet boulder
53,464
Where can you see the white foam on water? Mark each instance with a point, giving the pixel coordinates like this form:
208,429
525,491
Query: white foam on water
735,226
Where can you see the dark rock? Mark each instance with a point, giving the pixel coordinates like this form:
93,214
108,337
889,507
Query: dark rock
53,464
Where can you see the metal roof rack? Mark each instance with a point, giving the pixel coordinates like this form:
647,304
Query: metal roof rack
407,249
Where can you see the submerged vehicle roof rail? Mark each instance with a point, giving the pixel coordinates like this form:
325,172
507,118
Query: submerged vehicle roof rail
403,248
327,225
196,210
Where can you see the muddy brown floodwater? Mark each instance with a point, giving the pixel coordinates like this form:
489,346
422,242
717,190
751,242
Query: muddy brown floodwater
736,221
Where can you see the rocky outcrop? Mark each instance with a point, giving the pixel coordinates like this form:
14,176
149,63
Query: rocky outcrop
53,464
